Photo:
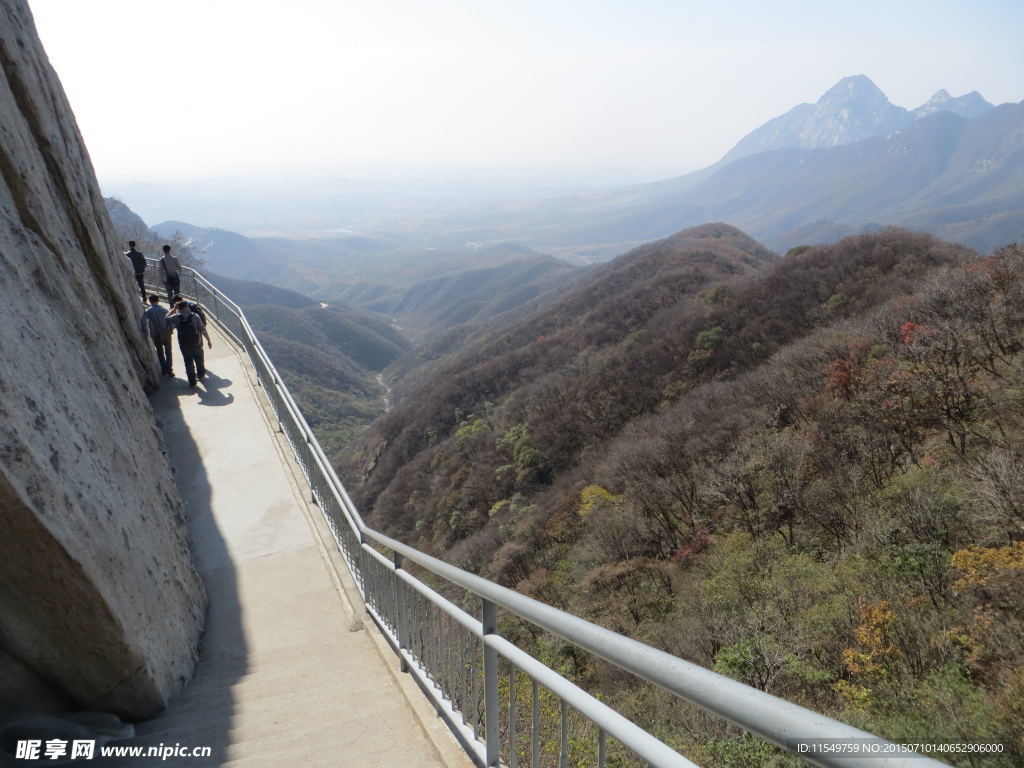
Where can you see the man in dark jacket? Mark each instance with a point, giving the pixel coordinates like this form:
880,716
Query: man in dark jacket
191,331
139,265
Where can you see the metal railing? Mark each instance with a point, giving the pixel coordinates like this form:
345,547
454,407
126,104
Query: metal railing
505,706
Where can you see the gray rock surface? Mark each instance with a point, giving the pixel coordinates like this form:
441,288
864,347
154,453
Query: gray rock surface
127,224
99,600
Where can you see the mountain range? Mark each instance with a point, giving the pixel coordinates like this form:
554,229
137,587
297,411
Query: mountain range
962,179
425,290
981,206
852,110
849,163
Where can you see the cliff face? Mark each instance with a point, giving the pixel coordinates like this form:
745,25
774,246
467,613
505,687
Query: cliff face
100,605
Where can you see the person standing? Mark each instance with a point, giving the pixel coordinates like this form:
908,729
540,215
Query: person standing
191,331
170,271
139,265
154,324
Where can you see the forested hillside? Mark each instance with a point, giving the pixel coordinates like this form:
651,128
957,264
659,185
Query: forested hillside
804,472
473,294
427,288
247,292
330,356
586,327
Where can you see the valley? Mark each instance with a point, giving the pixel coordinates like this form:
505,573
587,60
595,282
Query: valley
802,471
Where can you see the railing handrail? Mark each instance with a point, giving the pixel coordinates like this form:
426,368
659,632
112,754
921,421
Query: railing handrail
778,721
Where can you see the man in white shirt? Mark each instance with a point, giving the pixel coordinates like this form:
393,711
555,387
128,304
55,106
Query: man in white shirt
170,271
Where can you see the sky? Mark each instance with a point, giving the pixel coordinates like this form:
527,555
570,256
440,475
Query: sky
562,91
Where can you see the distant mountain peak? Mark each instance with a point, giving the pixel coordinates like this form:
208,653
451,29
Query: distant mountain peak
857,97
852,110
967,106
853,86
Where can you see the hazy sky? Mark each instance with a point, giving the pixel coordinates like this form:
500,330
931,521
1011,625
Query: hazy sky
592,91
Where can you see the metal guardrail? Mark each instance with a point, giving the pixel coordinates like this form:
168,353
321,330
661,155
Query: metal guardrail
498,700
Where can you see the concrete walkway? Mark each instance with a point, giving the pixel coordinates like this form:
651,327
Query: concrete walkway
282,678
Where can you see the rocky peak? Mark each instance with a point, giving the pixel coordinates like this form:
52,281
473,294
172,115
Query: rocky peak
125,220
852,110
856,89
967,106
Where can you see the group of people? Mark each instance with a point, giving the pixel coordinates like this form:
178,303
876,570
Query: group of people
170,270
184,317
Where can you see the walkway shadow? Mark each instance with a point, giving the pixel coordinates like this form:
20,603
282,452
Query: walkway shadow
201,714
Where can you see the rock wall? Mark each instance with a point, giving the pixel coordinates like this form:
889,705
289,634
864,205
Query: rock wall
100,604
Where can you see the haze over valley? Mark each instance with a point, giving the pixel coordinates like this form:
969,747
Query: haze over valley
951,166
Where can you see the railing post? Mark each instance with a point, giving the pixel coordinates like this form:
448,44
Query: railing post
309,467
512,719
491,714
401,614
363,559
